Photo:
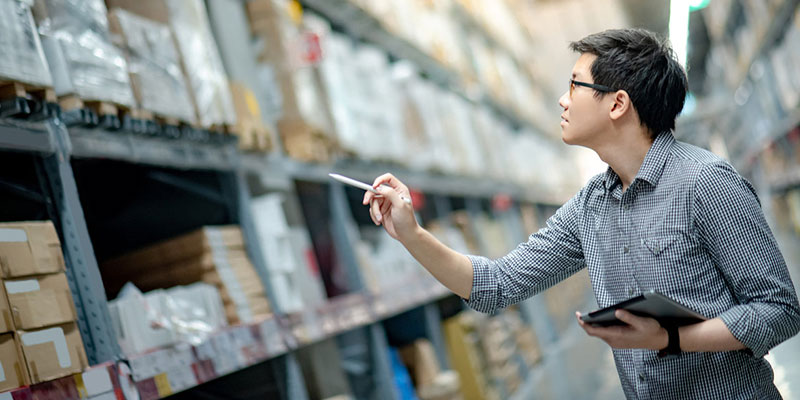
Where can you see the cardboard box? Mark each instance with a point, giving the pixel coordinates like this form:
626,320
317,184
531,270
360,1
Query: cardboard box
53,352
420,359
6,320
29,248
12,365
155,10
40,301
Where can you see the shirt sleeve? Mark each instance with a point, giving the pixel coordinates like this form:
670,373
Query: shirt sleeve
732,228
549,256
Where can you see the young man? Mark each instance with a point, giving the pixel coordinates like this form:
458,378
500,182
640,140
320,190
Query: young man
665,215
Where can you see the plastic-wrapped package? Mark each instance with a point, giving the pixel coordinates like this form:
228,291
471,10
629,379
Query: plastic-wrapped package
340,80
80,54
195,312
154,64
201,62
161,317
381,125
23,59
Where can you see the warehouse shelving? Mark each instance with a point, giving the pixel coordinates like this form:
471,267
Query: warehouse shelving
136,148
281,334
26,136
360,25
766,39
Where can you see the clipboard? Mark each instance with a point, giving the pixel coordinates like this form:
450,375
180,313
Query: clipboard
649,304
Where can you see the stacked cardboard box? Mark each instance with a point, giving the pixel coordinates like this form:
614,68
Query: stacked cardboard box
215,255
500,351
430,381
466,358
36,308
293,52
293,271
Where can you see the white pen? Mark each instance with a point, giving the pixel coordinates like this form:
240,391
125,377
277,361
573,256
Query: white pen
361,185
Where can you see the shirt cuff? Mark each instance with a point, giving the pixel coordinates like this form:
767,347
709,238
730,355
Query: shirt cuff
483,296
748,328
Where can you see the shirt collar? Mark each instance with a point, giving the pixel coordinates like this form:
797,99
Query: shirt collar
653,164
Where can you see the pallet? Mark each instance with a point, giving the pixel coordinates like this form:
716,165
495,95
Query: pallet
22,100
92,113
304,142
252,136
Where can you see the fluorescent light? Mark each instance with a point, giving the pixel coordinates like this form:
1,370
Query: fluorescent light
679,28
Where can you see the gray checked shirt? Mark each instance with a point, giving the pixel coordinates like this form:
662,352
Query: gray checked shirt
688,226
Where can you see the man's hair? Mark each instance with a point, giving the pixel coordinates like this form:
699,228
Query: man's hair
642,64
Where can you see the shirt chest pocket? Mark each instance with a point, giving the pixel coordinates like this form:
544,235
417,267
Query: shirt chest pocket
661,258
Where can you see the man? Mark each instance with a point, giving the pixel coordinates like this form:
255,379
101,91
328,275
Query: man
665,215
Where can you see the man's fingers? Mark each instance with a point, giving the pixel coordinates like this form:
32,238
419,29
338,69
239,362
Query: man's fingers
375,210
391,195
367,197
628,318
390,180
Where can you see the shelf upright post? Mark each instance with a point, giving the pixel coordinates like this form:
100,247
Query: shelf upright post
345,234
238,199
83,273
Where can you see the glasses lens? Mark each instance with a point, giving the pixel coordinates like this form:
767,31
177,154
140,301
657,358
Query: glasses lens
571,87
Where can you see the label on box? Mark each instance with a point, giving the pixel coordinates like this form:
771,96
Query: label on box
96,381
54,335
13,235
26,286
162,384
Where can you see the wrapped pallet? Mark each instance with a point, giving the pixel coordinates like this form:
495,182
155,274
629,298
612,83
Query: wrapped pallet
23,60
158,83
80,54
215,255
201,63
291,53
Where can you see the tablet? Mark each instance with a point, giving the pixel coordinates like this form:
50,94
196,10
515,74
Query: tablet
649,304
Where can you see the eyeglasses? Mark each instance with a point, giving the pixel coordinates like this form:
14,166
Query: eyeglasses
599,88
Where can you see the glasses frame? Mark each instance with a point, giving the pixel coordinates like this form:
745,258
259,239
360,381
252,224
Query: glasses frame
599,88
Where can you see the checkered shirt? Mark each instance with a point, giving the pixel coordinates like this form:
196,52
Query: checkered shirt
689,226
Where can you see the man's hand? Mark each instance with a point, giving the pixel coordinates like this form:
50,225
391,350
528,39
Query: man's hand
389,209
639,333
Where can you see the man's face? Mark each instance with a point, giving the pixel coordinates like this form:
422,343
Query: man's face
585,116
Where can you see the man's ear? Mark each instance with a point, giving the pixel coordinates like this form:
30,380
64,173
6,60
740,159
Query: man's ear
621,104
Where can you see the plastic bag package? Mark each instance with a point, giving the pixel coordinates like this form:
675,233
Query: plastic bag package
80,53
202,63
161,318
157,79
23,59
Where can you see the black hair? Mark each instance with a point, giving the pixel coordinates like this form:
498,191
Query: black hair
643,64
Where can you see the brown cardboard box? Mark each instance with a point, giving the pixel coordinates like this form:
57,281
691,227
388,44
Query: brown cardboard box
29,248
40,301
14,372
6,321
421,361
155,10
250,128
53,352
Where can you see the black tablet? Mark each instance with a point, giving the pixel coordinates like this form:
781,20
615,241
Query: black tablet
649,304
